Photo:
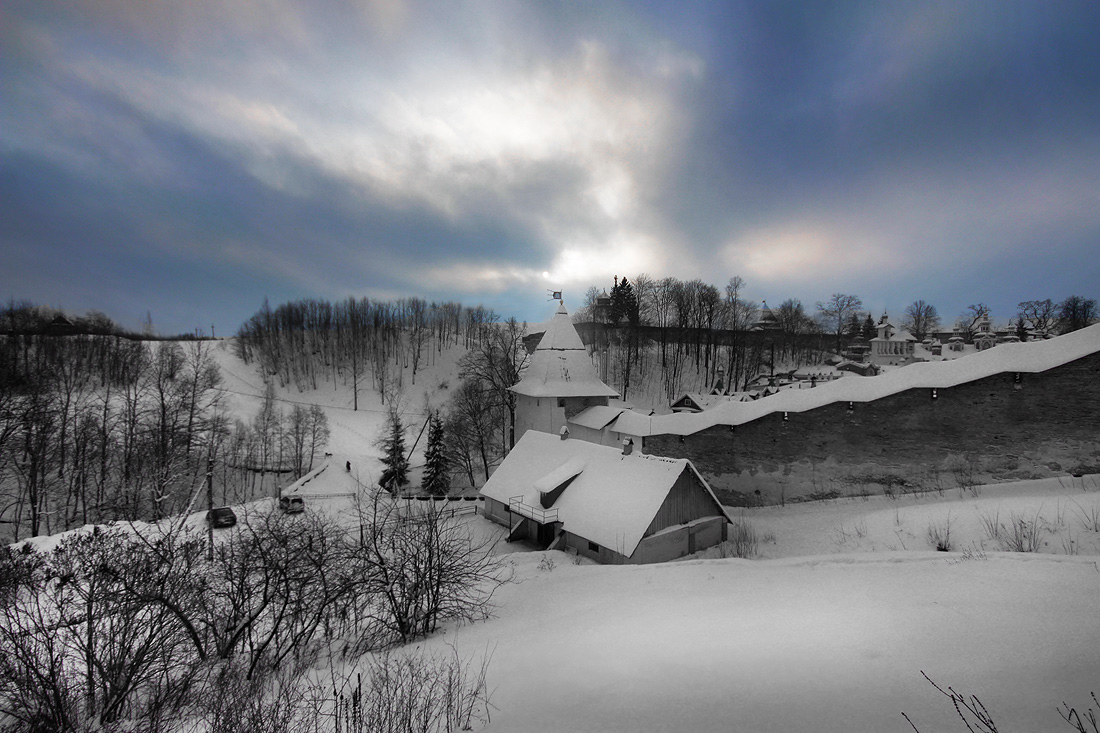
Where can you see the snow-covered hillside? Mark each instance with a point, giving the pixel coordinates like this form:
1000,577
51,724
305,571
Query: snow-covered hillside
827,630
354,432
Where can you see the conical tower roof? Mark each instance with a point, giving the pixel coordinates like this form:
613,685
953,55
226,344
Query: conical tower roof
560,366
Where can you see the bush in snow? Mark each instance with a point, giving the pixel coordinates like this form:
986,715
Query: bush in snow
742,541
977,718
939,534
1023,534
414,692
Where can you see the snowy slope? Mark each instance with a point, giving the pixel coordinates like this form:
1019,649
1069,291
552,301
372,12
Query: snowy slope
810,644
354,431
830,635
828,631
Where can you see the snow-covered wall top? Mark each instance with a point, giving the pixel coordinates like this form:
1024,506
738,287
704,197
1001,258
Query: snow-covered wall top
1030,357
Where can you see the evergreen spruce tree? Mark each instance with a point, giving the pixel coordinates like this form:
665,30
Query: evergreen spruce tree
624,303
869,328
396,473
437,477
854,329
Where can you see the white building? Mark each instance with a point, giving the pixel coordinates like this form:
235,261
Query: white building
614,506
560,382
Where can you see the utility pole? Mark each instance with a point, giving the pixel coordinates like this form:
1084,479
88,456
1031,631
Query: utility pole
209,506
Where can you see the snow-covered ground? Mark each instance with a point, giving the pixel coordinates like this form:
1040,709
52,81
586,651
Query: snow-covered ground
354,432
828,629
829,633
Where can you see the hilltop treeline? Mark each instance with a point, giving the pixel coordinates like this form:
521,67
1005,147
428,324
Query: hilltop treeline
686,332
356,341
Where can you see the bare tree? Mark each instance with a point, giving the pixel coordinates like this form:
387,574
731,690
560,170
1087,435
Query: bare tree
421,568
1076,312
495,365
835,313
968,320
920,319
738,315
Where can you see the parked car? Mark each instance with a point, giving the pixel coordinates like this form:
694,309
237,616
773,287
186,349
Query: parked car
292,504
221,516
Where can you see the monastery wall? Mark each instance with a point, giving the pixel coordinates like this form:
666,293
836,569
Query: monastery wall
992,429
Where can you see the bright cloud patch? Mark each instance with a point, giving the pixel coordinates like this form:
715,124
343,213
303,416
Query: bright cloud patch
802,253
567,149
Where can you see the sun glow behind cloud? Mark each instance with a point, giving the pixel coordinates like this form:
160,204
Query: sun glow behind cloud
807,252
568,148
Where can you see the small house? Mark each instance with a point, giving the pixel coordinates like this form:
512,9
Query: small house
613,506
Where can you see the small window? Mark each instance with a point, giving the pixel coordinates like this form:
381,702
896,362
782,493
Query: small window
593,547
561,402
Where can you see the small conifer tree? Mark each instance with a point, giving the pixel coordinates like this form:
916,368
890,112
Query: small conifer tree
869,329
437,477
396,473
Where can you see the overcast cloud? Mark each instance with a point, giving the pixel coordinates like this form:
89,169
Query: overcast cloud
192,158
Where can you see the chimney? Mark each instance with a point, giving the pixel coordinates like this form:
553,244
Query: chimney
564,432
628,446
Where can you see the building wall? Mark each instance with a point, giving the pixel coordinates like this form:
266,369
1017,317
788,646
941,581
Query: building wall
1047,424
605,436
668,545
496,511
683,540
686,502
549,414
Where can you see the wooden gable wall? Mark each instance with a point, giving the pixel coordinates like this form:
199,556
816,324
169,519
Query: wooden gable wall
687,501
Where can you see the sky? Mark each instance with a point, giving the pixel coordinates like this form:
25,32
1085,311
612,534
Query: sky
185,160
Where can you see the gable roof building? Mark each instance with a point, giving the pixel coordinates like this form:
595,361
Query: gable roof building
614,506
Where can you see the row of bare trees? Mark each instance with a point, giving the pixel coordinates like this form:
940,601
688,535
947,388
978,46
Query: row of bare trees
356,341
100,427
118,624
479,421
690,330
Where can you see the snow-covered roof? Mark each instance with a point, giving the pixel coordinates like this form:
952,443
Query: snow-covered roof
708,401
1029,357
596,417
612,499
560,366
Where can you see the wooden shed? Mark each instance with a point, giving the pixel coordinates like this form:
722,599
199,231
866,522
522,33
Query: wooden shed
614,506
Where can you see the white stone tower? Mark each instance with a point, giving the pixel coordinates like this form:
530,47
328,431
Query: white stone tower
559,382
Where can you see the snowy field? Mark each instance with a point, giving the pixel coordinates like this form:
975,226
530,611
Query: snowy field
828,629
829,634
